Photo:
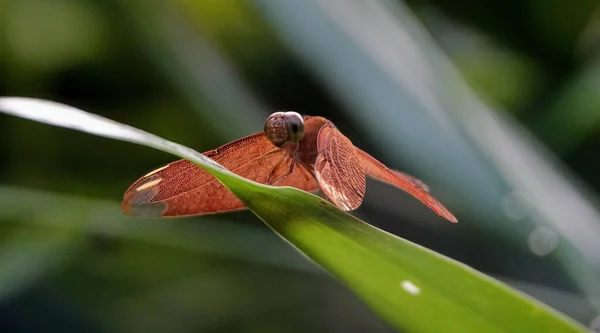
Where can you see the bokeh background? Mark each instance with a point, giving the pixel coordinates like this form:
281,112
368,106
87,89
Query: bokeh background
496,105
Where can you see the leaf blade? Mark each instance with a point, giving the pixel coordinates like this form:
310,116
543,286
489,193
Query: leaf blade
398,279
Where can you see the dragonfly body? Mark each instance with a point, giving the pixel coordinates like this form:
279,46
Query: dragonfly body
305,152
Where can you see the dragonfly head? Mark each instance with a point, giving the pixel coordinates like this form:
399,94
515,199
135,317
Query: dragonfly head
284,127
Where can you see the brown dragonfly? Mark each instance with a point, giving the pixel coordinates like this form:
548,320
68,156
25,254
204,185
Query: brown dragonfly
305,152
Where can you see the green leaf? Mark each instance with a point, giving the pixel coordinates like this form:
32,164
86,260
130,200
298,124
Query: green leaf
411,288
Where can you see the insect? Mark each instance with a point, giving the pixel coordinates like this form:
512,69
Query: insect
305,152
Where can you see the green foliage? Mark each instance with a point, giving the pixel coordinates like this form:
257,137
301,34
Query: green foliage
410,287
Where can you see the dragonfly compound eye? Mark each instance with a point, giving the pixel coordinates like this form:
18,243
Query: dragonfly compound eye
276,130
295,126
283,127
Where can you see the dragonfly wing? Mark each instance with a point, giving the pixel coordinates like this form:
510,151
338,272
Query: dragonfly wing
407,183
181,188
338,169
415,181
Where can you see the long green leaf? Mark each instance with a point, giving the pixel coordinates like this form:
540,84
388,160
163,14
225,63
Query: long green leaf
410,287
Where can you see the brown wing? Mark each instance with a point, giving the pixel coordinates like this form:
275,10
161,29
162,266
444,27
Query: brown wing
182,188
338,169
415,181
413,186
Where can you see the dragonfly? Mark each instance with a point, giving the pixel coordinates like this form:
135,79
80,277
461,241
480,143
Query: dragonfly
305,152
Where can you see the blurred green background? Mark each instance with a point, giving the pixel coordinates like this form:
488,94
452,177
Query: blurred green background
496,105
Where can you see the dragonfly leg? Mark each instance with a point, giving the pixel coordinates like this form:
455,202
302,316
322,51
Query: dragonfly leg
281,163
290,170
269,179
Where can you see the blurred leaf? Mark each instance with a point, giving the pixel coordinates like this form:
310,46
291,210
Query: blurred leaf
27,254
407,285
72,215
54,26
190,62
490,68
575,116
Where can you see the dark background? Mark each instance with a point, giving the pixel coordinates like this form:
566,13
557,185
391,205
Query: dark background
202,73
